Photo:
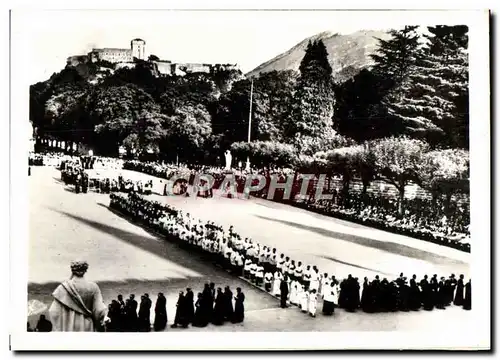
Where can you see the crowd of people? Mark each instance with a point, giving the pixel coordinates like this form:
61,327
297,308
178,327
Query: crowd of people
212,305
422,219
292,281
49,158
434,221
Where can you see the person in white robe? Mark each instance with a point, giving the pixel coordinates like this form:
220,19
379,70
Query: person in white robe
314,280
313,302
277,282
293,293
304,300
268,280
336,291
78,303
328,299
247,268
325,281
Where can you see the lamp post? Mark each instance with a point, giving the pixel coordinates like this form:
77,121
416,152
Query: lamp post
247,167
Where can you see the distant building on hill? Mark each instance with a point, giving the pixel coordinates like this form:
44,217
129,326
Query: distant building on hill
113,55
125,58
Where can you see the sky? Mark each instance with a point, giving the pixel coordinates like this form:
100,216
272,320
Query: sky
246,38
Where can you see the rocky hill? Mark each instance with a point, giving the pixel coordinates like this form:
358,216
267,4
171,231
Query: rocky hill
348,54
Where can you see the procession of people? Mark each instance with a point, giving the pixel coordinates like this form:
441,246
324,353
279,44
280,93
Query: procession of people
290,280
210,306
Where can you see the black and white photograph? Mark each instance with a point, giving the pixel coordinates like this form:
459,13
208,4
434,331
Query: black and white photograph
274,180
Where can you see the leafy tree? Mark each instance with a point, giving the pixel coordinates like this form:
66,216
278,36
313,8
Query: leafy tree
67,81
187,130
265,154
445,172
63,111
149,130
225,78
329,140
116,111
398,161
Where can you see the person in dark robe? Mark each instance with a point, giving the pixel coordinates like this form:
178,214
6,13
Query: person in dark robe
404,296
239,307
131,314
459,294
383,300
365,296
145,313
415,299
160,313
441,294
218,315
343,296
228,304
355,293
200,319
375,294
114,317
207,304
85,184
189,306
350,291
467,305
108,186
284,292
434,286
122,320
43,325
427,297
179,312
392,296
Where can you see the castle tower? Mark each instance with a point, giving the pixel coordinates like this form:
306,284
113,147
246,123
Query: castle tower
138,47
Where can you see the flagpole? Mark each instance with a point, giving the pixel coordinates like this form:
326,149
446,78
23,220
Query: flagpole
247,168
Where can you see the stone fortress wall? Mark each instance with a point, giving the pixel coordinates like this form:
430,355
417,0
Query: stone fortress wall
124,58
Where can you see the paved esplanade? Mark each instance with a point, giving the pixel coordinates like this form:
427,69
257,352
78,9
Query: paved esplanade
126,259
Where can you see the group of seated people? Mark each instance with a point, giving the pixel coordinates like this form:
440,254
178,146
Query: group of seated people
423,219
210,306
107,163
128,185
161,170
266,268
49,158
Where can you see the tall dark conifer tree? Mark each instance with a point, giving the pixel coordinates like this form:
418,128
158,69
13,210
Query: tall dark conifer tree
311,115
396,66
434,99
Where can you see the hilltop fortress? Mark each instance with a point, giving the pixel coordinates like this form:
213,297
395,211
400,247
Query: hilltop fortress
127,58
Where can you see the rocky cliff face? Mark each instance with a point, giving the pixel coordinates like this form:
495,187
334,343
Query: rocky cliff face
348,54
